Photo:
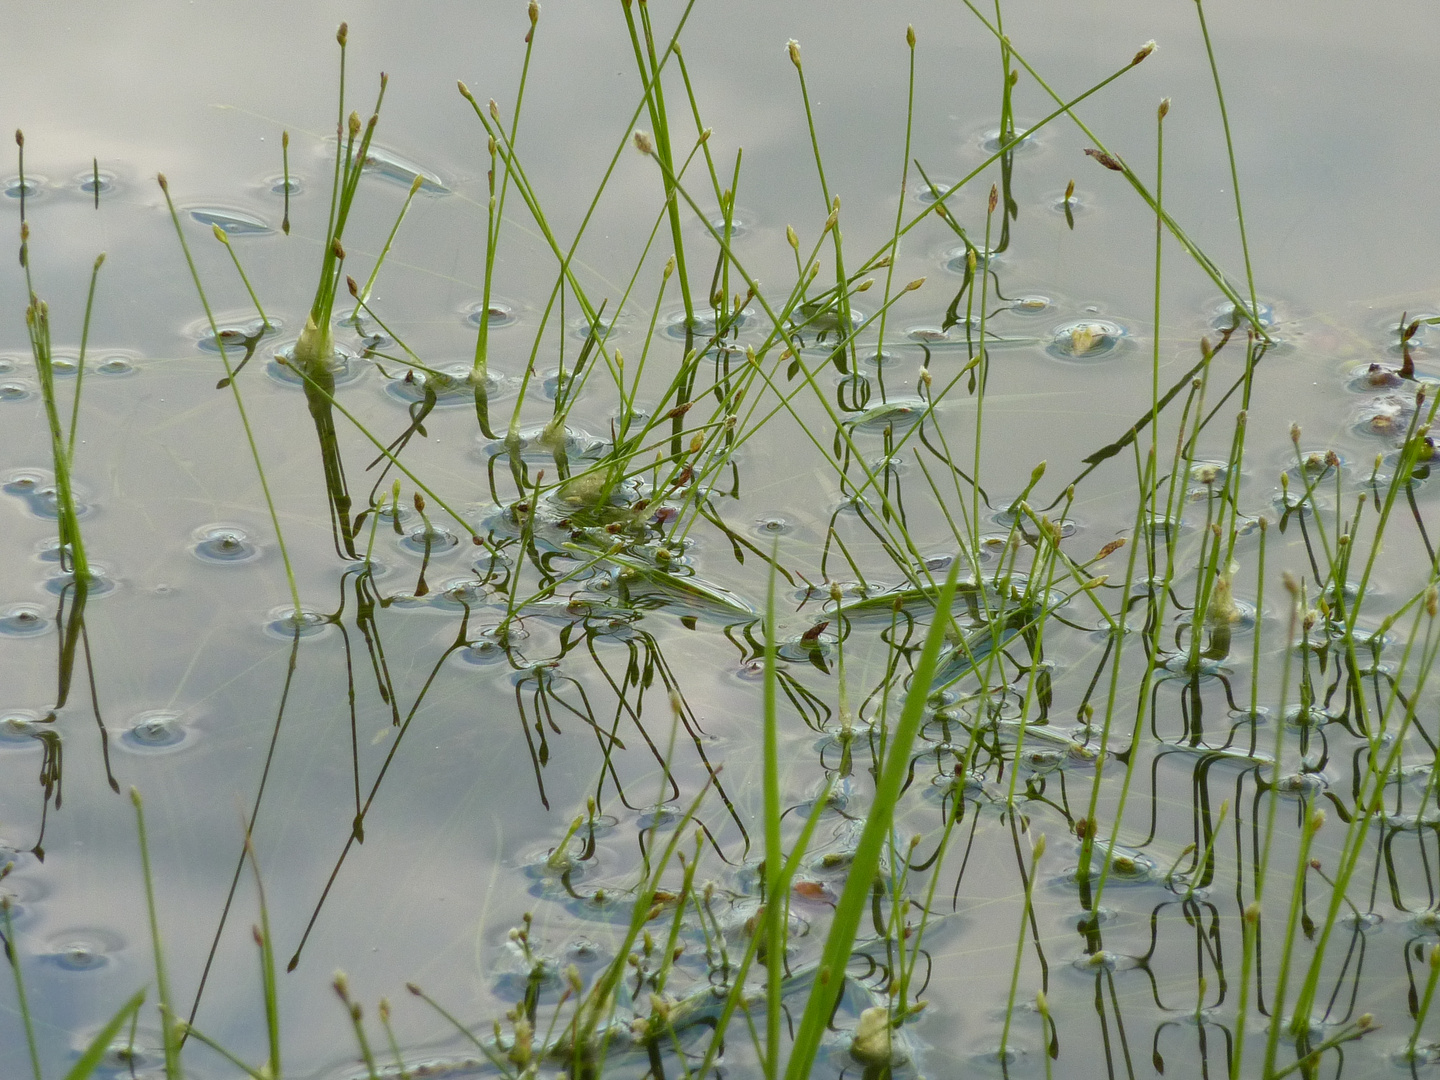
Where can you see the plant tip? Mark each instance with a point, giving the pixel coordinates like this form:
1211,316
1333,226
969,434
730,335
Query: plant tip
342,34
643,143
494,109
1145,50
534,12
1105,159
793,48
910,36
1164,109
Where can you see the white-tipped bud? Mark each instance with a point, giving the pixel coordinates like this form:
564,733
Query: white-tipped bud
912,286
643,143
864,285
669,267
1164,109
791,237
534,12
910,36
793,48
494,109
220,234
1145,50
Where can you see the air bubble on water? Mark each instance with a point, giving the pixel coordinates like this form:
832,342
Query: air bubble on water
82,949
1030,305
98,582
15,390
929,194
702,326
1223,316
451,385
503,313
23,620
230,222
344,366
156,730
115,365
1086,339
957,260
287,623
221,543
436,539
390,165
276,184
774,525
86,181
31,187
741,221
990,140
18,727
232,334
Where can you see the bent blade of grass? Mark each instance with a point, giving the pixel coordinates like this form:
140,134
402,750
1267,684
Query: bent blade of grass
856,895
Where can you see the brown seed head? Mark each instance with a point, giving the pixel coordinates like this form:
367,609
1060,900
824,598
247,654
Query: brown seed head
1105,159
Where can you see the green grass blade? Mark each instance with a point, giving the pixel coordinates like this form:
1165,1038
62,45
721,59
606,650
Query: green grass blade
856,895
95,1052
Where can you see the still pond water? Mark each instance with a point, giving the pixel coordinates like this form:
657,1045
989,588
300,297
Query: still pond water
630,680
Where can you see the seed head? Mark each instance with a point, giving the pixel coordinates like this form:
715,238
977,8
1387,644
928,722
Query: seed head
793,48
912,286
910,36
791,237
1164,108
1145,50
534,12
342,34
643,143
1105,159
